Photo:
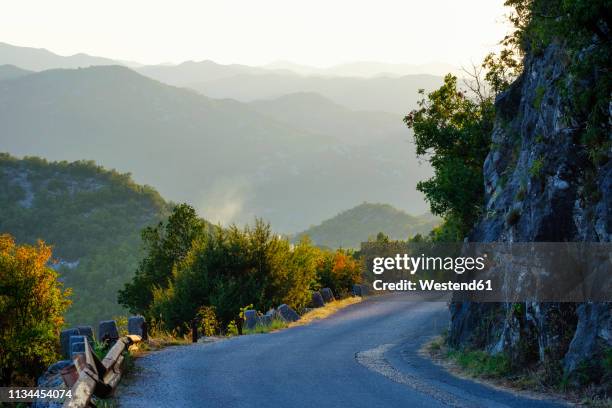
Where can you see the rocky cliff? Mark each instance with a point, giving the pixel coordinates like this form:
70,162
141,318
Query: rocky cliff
542,184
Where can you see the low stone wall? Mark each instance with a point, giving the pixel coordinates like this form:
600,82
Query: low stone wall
253,318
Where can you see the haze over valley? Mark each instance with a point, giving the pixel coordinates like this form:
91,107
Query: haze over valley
234,141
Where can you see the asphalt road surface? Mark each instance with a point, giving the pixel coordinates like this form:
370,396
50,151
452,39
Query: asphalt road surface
363,356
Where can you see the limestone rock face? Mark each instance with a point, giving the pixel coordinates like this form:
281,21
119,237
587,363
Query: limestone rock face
538,169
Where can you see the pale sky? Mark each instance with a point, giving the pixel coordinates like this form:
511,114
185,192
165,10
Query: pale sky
256,32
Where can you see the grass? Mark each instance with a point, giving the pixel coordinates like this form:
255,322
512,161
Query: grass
476,364
100,350
106,403
481,364
326,311
308,317
498,371
275,324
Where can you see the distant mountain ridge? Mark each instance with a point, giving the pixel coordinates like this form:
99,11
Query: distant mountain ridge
365,69
357,86
350,228
9,71
317,114
396,95
228,159
39,59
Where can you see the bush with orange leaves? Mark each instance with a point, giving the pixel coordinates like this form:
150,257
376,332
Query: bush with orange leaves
32,304
339,270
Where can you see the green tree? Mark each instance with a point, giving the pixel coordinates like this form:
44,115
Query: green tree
452,130
235,267
32,303
166,245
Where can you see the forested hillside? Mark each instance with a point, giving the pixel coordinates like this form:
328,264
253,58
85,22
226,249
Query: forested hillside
352,227
92,218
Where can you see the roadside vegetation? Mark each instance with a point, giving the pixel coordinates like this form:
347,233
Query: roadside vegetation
275,324
310,316
32,305
499,370
326,311
190,269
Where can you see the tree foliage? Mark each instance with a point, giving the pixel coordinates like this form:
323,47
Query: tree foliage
452,130
32,303
339,270
189,267
235,267
166,244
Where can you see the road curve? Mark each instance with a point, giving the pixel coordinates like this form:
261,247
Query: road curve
363,356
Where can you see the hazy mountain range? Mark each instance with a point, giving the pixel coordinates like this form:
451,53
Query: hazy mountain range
302,149
390,94
231,160
39,59
11,72
366,69
360,86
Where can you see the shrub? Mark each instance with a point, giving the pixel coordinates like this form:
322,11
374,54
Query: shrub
481,364
234,267
275,324
32,303
232,329
208,320
339,271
